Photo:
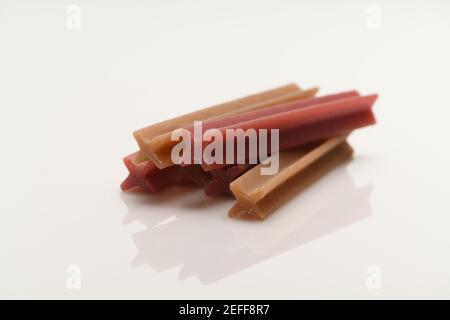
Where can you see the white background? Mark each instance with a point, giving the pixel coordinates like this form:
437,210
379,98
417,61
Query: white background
69,100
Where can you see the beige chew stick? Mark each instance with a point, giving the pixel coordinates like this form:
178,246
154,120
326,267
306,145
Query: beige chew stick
253,186
155,141
259,195
159,148
152,131
157,137
144,135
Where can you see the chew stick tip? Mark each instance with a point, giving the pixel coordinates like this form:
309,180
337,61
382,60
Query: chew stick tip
372,98
139,139
238,210
312,90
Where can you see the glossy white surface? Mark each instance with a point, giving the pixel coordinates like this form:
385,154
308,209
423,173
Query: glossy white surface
69,100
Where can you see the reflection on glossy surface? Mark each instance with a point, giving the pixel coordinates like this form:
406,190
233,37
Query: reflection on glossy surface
200,238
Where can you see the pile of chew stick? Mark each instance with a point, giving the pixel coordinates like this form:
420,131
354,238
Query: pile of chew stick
312,141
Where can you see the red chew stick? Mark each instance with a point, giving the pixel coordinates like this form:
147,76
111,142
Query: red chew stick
236,120
129,183
147,176
308,115
296,136
302,135
222,177
251,119
308,124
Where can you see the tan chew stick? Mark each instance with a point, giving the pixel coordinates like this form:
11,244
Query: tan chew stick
259,195
159,148
253,186
155,141
152,131
159,133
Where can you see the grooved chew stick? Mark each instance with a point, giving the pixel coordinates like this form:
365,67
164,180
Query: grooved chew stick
149,132
155,141
147,177
260,195
236,120
146,174
298,126
221,178
264,149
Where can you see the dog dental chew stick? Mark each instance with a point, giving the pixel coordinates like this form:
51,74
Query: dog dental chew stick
145,174
304,135
304,124
155,141
221,178
152,131
260,195
231,120
147,177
